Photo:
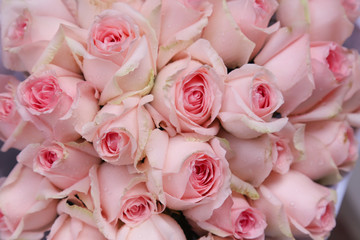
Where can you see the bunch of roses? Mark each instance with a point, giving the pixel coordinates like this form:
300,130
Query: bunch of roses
227,113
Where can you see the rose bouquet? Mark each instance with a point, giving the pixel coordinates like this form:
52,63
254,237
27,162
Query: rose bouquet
176,119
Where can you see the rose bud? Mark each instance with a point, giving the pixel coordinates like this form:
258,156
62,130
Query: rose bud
198,169
28,28
62,164
120,197
222,23
306,210
331,68
325,20
119,132
235,217
160,227
250,99
24,212
180,24
296,81
66,227
330,146
120,53
57,102
188,92
14,131
253,17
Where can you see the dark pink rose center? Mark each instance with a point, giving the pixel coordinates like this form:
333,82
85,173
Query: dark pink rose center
261,97
338,63
205,173
18,29
194,96
136,209
3,226
245,222
41,94
48,156
113,34
113,142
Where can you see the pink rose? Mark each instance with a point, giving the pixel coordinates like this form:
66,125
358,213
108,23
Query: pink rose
24,212
251,97
62,164
119,131
28,28
330,146
120,197
222,30
58,102
161,227
253,17
66,227
178,25
296,81
14,131
294,204
120,54
236,218
188,92
331,68
325,20
198,169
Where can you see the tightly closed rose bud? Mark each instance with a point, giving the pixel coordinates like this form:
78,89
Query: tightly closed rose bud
307,209
330,146
188,92
57,102
62,164
250,99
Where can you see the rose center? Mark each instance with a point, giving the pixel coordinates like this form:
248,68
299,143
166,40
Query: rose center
6,107
113,142
136,209
260,97
47,158
338,63
18,28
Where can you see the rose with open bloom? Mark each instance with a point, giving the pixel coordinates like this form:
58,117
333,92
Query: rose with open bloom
198,169
24,212
330,146
235,217
119,55
325,20
14,131
57,102
28,28
188,92
250,99
160,227
63,164
293,201
119,131
120,197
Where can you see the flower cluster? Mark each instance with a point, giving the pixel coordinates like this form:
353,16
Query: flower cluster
175,119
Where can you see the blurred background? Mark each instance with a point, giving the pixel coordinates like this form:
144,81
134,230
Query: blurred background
348,218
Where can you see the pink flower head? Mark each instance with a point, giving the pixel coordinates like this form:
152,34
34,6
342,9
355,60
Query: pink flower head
49,156
249,223
40,94
7,106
